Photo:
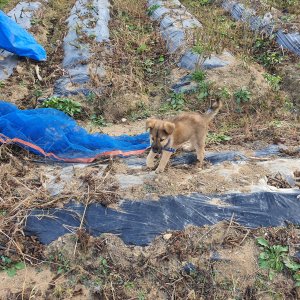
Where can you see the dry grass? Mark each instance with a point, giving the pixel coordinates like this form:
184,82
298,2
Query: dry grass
23,187
136,63
23,87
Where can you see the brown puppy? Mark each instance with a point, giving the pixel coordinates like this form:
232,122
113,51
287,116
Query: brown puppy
167,136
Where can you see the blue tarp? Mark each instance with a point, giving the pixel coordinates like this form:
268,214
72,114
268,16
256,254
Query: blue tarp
15,39
139,222
53,134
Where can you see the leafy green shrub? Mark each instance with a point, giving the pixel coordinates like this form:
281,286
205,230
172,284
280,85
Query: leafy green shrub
242,96
177,101
275,259
66,105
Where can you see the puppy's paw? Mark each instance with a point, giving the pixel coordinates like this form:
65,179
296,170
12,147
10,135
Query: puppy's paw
150,164
159,170
199,165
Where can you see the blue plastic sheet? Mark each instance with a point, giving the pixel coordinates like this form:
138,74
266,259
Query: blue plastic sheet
15,39
139,222
51,133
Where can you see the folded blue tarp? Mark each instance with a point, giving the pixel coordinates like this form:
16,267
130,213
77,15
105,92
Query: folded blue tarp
53,134
15,39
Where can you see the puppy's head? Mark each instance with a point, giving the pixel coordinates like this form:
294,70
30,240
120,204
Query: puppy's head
160,133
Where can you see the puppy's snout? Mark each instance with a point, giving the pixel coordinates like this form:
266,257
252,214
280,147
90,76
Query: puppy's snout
156,149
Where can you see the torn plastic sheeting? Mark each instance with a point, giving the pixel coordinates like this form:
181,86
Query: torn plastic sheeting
190,61
53,134
77,55
176,25
238,11
139,222
15,39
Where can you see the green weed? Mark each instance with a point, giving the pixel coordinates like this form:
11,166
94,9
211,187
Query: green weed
66,105
198,49
273,80
199,76
142,48
203,91
276,258
103,266
129,285
2,84
177,101
242,95
98,120
148,64
204,2
223,93
11,268
217,138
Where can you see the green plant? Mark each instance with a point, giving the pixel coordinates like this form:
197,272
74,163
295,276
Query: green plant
129,285
2,84
198,49
273,80
275,259
148,63
152,8
199,76
141,295
142,48
98,120
103,266
35,21
223,93
204,2
242,96
203,91
66,105
9,266
217,138
270,58
161,59
177,101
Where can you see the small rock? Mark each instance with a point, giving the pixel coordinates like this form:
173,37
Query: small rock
123,120
167,236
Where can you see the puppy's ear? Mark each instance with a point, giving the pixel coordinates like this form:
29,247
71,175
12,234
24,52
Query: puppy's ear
150,123
169,127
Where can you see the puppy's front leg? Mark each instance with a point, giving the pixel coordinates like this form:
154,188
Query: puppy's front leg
163,162
150,159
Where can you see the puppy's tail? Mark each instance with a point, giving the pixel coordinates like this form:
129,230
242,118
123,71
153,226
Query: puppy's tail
213,111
